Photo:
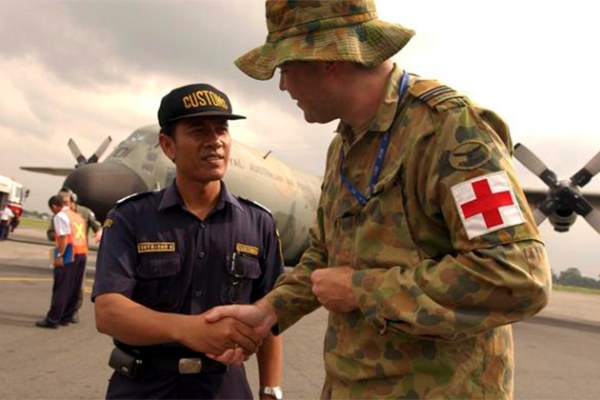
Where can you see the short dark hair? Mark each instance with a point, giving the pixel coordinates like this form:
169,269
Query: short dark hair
169,129
55,200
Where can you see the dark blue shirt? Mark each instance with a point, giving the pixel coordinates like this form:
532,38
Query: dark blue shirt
160,255
157,253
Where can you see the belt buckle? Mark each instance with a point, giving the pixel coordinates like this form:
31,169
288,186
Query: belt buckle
190,366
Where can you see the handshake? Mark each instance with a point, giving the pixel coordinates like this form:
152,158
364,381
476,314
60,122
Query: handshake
230,334
233,333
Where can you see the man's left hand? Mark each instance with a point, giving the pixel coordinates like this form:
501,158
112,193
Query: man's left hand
333,288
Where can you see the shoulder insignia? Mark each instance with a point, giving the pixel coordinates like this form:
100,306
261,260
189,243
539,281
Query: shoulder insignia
132,197
437,95
256,204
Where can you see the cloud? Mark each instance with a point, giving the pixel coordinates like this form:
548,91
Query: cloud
88,69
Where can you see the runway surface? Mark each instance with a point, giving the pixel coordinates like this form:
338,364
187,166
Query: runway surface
557,352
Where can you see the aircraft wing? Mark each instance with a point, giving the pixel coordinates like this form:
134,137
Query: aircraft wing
535,196
49,170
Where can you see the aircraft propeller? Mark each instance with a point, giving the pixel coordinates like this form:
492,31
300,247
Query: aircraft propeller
564,198
81,160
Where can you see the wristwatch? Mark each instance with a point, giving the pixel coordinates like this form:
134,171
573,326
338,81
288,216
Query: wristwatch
274,391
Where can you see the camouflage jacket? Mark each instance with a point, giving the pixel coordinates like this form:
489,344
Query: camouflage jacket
435,306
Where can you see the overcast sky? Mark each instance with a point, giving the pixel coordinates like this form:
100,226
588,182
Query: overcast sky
89,69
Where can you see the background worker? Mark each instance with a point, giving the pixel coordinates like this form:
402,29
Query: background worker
92,224
167,257
71,247
6,216
424,249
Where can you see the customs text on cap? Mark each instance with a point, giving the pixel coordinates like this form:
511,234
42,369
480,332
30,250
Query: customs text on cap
195,100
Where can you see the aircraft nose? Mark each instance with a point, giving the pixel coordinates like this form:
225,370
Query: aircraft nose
99,186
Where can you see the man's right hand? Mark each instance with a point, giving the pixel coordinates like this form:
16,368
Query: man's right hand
259,316
217,337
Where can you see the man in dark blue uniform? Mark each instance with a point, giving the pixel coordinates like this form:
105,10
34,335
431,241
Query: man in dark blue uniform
167,257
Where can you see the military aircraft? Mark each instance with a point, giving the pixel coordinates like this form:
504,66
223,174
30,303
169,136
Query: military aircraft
563,200
138,164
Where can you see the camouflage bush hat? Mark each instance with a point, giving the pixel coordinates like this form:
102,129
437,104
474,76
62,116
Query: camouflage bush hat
323,30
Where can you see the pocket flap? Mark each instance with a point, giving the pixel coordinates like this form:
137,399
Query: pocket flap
159,267
247,267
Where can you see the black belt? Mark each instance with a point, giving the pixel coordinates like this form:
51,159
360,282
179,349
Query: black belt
185,366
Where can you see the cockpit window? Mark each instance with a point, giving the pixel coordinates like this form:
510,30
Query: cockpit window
120,152
148,136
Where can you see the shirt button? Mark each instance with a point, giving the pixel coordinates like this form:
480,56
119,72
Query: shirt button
201,254
199,293
202,225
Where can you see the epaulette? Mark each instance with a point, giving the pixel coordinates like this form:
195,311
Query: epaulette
255,204
131,197
437,95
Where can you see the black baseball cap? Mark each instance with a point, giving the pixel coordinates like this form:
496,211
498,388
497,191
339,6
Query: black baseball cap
195,100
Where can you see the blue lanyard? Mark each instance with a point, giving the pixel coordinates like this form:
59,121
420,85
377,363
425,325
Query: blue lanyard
380,153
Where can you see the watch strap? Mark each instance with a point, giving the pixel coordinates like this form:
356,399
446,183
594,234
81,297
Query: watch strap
274,391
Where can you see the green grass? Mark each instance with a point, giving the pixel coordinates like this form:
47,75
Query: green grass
576,289
35,223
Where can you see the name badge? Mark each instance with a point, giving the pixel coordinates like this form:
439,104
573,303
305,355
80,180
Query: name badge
156,247
244,248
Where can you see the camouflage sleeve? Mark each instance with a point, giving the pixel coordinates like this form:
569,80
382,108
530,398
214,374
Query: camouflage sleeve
461,286
93,223
292,297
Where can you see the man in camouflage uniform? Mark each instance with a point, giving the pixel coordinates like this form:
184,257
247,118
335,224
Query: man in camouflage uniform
424,249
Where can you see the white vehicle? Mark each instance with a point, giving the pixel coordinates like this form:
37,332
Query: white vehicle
13,194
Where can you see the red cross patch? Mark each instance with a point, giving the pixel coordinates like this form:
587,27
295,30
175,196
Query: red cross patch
486,204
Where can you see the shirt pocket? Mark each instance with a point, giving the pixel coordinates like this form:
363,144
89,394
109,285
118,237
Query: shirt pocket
243,271
160,285
383,238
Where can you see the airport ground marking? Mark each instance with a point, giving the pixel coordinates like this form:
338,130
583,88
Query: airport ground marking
26,279
37,280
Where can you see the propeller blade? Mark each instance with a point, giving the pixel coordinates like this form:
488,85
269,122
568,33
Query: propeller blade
585,174
100,151
587,211
534,164
545,209
593,218
538,216
76,152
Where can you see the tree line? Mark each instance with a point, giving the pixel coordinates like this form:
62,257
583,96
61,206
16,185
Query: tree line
572,277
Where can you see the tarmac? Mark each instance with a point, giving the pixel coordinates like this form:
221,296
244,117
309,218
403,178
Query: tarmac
557,352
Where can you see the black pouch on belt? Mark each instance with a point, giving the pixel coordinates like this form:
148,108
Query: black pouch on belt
126,364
